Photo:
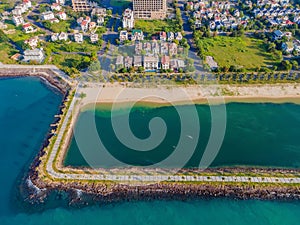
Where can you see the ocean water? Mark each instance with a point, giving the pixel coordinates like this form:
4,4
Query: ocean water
27,108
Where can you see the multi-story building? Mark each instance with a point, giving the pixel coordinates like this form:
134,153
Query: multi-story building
150,9
81,5
128,19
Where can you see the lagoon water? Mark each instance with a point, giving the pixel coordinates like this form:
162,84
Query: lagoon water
257,134
26,110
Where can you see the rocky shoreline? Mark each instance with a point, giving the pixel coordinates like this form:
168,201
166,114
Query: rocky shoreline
46,75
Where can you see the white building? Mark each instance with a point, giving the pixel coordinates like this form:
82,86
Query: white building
27,3
99,12
128,19
63,36
47,15
55,6
61,2
28,28
34,55
54,37
94,38
78,37
18,20
62,15
123,35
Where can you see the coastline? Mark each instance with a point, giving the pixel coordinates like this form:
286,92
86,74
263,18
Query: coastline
109,191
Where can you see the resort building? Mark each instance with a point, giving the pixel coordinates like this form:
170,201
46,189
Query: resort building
34,55
81,5
150,9
128,19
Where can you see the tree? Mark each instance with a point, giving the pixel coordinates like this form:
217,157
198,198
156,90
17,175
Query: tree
94,66
286,65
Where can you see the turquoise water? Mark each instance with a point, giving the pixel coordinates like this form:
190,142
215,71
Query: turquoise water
26,110
257,134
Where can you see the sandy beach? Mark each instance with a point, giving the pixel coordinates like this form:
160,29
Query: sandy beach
201,94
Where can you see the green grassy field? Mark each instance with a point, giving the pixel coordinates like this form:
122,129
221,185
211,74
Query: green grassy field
238,51
154,26
6,51
62,26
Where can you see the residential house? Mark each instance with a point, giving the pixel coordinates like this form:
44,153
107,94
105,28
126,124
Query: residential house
147,48
120,62
18,20
3,26
63,36
164,49
54,20
155,48
78,37
28,28
162,36
137,61
123,35
211,62
60,2
32,42
34,55
178,36
62,15
27,3
84,25
99,12
94,38
92,25
47,15
100,20
128,62
17,12
151,62
54,37
172,49
128,19
277,34
138,48
165,62
287,46
55,7
170,36
137,35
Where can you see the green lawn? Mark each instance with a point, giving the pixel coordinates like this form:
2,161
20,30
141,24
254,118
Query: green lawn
154,26
62,26
6,51
237,51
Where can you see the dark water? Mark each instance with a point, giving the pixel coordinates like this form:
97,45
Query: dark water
27,108
257,134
